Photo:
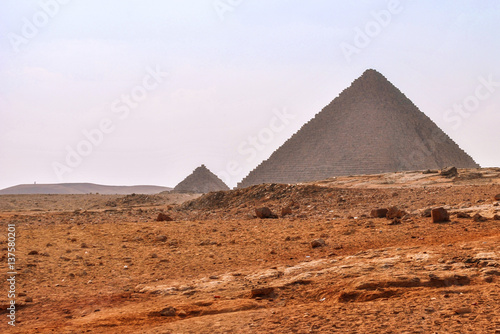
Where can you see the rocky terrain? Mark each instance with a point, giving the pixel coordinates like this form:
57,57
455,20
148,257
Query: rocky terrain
353,254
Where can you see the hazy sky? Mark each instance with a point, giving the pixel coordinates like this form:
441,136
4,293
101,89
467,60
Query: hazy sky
130,92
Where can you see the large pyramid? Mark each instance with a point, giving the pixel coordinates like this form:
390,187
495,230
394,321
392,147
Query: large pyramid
201,180
371,127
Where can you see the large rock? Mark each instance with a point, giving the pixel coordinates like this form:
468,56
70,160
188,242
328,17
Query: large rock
264,213
168,312
394,212
318,243
449,171
163,218
262,292
378,213
440,215
285,211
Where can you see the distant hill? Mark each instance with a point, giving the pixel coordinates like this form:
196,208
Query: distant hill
80,188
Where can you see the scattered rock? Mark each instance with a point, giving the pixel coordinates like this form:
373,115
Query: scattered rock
427,212
163,218
395,221
394,212
33,252
378,213
463,215
154,256
182,313
449,171
161,238
496,217
168,312
84,245
429,171
264,213
262,292
318,243
497,197
440,215
28,300
207,242
478,218
463,310
286,211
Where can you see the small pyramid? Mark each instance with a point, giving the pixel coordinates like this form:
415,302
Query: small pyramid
370,128
202,180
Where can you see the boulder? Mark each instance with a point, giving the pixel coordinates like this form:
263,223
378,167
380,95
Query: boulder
449,171
286,211
463,215
168,312
264,213
394,212
318,243
378,213
440,215
261,292
427,212
163,217
478,218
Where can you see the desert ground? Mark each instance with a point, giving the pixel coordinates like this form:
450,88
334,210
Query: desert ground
105,264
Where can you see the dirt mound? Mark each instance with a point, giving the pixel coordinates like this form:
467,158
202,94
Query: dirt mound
135,200
254,194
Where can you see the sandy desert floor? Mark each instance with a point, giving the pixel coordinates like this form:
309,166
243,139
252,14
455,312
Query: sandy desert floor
103,264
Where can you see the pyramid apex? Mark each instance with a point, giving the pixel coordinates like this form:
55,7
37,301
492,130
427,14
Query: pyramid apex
371,73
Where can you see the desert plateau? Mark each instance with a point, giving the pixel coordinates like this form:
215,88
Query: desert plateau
352,254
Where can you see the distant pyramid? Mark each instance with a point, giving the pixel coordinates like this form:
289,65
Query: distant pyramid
371,127
201,180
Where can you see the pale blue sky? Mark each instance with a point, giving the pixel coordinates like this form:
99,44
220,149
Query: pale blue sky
226,79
